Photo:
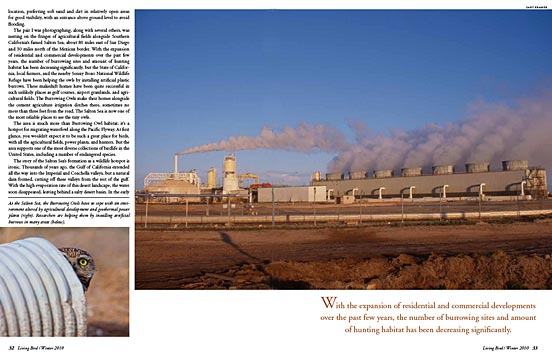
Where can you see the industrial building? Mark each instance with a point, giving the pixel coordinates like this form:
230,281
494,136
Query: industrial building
173,183
189,183
516,179
292,194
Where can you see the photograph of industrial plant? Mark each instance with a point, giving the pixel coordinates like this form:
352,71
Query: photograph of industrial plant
350,149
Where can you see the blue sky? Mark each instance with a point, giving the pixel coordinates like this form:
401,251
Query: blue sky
202,76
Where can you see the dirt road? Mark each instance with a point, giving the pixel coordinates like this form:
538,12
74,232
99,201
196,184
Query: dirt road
328,258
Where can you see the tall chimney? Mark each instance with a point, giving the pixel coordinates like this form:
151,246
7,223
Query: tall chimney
175,165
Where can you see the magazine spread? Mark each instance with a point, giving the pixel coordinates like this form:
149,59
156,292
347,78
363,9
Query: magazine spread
278,179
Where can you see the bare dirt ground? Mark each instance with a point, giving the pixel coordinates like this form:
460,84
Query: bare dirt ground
108,294
456,256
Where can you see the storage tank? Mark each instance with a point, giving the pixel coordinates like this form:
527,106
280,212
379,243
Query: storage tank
212,178
383,173
335,176
357,175
230,164
317,176
477,167
443,169
230,182
514,165
411,171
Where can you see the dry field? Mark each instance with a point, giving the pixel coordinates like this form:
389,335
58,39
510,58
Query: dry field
514,255
107,296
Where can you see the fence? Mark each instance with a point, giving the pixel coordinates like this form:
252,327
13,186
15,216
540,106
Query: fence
209,214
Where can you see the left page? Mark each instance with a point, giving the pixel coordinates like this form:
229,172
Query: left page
67,174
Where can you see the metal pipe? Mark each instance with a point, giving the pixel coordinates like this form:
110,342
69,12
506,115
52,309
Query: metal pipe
410,189
445,191
481,189
218,195
40,294
352,217
523,183
381,188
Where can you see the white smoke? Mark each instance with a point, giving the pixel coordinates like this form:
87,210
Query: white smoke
490,133
305,138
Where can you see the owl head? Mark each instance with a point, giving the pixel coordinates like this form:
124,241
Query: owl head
82,263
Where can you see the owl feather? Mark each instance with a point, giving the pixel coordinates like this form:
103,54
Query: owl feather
82,263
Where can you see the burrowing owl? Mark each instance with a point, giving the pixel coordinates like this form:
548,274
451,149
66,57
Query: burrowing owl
82,263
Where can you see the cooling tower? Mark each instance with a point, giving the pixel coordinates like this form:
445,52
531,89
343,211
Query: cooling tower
411,171
383,173
357,175
335,176
443,169
477,167
514,165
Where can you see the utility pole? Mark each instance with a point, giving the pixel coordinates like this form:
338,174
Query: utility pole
402,207
229,210
440,208
314,206
146,221
360,209
186,213
480,198
272,207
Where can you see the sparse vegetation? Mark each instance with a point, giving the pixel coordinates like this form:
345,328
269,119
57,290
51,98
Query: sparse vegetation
460,256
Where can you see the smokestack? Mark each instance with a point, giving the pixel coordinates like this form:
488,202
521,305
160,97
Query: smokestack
175,165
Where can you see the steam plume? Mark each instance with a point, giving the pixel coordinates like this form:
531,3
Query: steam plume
490,133
305,138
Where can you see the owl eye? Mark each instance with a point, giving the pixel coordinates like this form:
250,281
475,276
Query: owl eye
83,262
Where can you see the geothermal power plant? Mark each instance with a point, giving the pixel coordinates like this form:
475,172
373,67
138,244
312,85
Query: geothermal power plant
516,180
